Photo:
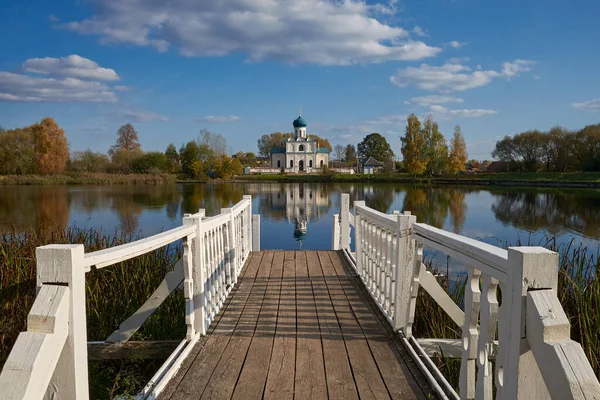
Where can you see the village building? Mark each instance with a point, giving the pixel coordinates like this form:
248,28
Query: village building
300,153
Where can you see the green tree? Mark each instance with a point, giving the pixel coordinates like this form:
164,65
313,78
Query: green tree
457,161
127,140
17,152
189,156
172,157
587,148
236,167
213,141
88,161
350,157
413,143
376,146
151,162
435,153
268,142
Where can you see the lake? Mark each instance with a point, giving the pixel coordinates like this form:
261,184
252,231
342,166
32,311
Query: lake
298,215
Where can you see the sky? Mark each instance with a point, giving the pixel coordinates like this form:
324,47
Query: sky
244,68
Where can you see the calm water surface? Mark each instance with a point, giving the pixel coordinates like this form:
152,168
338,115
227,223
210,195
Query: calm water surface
300,215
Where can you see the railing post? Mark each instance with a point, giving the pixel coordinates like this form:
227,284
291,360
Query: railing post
63,264
230,260
248,218
188,258
358,237
517,373
198,272
345,221
404,273
335,232
256,232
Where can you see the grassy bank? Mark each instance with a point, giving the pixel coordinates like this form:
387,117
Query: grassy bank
112,295
576,179
71,178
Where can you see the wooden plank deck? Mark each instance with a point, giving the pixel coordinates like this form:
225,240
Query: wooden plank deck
299,324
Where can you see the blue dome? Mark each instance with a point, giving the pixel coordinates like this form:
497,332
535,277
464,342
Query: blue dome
299,122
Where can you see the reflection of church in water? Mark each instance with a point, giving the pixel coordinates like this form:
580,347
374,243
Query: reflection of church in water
302,204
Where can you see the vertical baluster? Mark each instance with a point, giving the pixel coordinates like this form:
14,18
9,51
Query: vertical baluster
377,264
388,271
215,261
503,331
469,335
211,274
488,317
414,287
224,265
188,287
394,276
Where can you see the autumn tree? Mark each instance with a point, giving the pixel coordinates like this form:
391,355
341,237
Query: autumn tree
413,143
321,141
172,157
51,150
457,160
435,153
189,157
268,142
17,152
213,141
89,161
127,140
376,146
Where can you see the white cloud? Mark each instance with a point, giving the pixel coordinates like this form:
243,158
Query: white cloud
388,119
456,44
53,18
143,116
121,88
219,118
593,105
417,30
16,87
433,99
73,66
445,113
320,32
454,76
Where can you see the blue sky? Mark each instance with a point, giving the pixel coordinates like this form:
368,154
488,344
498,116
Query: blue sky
242,68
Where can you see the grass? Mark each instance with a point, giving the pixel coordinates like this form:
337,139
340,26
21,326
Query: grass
578,292
524,178
72,178
112,294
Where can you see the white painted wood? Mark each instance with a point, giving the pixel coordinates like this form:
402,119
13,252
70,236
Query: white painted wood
563,364
449,348
335,232
256,232
358,237
344,220
431,286
413,289
470,333
490,260
132,324
113,255
198,271
188,287
249,224
449,390
64,265
377,217
487,335
351,218
231,250
528,268
33,358
404,272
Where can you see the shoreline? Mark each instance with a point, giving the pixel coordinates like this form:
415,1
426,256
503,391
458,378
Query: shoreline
576,180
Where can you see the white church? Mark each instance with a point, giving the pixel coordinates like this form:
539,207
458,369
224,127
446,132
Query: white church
301,153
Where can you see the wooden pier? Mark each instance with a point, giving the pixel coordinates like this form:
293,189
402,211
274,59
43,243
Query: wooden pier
298,326
326,324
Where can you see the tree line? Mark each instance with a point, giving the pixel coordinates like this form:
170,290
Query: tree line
42,149
556,150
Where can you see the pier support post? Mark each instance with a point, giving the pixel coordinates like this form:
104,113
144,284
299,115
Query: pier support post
358,237
63,264
345,221
198,273
335,232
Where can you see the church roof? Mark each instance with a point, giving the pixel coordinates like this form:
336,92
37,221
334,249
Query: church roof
371,162
300,122
323,150
277,150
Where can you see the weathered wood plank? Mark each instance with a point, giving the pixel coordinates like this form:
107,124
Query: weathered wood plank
147,349
282,366
198,375
310,373
386,350
340,381
222,382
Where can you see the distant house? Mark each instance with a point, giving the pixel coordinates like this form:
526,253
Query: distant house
497,166
371,165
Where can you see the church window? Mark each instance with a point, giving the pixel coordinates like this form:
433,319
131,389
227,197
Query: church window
291,163
310,163
321,163
278,163
301,148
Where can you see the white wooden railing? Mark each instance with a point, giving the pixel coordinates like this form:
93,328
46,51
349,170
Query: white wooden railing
50,359
526,334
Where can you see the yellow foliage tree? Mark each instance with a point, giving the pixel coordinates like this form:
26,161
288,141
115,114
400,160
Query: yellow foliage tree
51,150
413,144
457,161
